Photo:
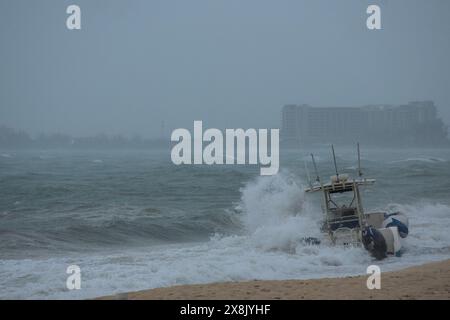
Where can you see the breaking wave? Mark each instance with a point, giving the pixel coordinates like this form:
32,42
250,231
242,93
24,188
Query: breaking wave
420,159
276,213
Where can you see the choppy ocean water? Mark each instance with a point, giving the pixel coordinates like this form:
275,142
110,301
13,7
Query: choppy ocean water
132,220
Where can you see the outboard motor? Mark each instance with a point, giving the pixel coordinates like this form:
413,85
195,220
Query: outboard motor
398,220
374,242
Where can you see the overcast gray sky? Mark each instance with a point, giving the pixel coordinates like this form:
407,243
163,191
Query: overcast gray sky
230,63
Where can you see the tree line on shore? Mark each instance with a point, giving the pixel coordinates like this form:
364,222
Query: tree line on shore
12,138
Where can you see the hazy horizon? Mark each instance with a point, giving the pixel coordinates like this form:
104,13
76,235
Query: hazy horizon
137,63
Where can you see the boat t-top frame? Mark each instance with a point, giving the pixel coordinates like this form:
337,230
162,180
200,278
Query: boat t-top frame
343,222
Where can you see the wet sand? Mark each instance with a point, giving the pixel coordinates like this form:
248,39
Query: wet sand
430,281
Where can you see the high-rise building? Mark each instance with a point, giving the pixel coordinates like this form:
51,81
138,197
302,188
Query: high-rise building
412,124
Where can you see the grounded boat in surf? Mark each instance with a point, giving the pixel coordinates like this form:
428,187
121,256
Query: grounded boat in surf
345,221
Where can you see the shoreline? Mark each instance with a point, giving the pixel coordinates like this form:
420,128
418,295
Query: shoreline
428,281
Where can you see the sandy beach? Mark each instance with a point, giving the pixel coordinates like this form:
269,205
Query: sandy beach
430,281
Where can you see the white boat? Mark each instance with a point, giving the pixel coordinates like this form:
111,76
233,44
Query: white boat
346,222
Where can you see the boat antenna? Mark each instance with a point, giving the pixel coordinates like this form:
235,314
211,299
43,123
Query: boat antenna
359,162
315,168
335,165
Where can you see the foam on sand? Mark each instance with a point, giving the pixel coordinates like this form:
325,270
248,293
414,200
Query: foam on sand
430,281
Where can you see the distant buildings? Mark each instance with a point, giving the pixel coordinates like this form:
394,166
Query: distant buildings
414,124
10,137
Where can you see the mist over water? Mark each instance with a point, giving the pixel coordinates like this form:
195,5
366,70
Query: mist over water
132,220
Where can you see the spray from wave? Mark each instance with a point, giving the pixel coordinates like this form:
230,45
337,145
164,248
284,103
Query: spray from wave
276,213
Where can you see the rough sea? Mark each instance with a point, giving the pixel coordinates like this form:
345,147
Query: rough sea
132,220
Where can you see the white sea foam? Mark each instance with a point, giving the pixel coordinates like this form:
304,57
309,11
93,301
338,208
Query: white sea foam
429,224
420,159
276,213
